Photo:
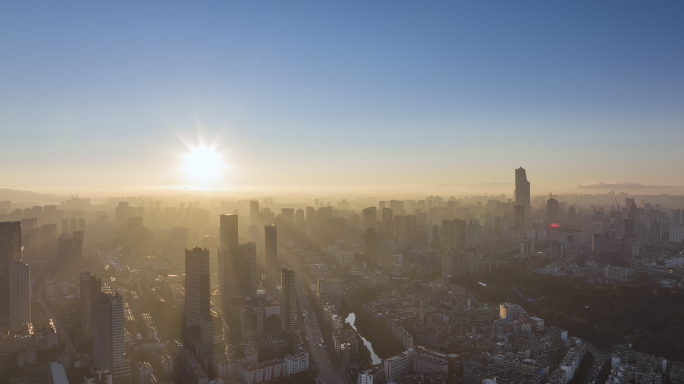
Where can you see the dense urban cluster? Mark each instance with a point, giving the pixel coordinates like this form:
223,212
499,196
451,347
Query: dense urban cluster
139,289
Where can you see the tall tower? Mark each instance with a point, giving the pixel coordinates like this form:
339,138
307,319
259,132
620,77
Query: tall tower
237,271
197,288
552,214
369,216
108,329
254,211
10,250
228,231
89,287
522,191
271,238
288,300
20,295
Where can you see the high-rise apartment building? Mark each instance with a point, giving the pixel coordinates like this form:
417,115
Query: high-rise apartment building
89,287
108,330
20,295
10,250
228,231
252,322
271,252
288,300
522,192
197,287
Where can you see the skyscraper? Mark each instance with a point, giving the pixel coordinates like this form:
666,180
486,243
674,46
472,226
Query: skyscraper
237,271
89,286
520,220
108,330
254,212
522,191
20,295
368,217
271,251
69,255
10,250
288,300
552,214
228,231
197,288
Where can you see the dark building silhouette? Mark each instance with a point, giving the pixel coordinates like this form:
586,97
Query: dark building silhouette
228,231
552,213
522,191
10,250
271,253
288,300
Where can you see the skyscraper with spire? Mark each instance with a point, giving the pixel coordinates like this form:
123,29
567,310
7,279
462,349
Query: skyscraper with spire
522,192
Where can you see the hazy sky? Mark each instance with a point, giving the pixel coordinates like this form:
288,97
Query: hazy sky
338,94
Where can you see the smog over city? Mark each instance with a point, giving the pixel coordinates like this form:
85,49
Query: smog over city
342,192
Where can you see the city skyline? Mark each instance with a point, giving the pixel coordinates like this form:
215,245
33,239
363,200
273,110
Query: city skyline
450,93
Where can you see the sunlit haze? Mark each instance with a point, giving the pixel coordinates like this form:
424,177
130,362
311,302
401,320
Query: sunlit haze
342,192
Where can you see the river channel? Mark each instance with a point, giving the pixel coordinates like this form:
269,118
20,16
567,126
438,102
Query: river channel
350,320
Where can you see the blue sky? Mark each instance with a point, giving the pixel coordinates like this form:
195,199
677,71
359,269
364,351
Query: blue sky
353,93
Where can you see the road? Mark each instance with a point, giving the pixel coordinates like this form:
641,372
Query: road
58,324
601,357
318,356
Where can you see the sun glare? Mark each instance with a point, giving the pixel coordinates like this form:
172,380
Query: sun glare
203,164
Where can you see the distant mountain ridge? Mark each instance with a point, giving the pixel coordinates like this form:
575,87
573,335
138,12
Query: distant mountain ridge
16,195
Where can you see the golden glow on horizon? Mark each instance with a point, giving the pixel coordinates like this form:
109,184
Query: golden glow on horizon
203,164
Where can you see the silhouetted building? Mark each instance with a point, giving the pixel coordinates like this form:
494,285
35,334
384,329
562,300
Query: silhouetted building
288,300
89,287
10,250
197,287
254,212
108,330
228,231
20,295
552,213
237,271
522,192
271,252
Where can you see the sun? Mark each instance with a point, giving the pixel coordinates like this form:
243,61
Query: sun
203,164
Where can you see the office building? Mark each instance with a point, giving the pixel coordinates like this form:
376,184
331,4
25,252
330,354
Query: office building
520,220
197,288
108,331
522,192
288,300
228,231
20,295
10,250
271,253
254,212
69,255
89,287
